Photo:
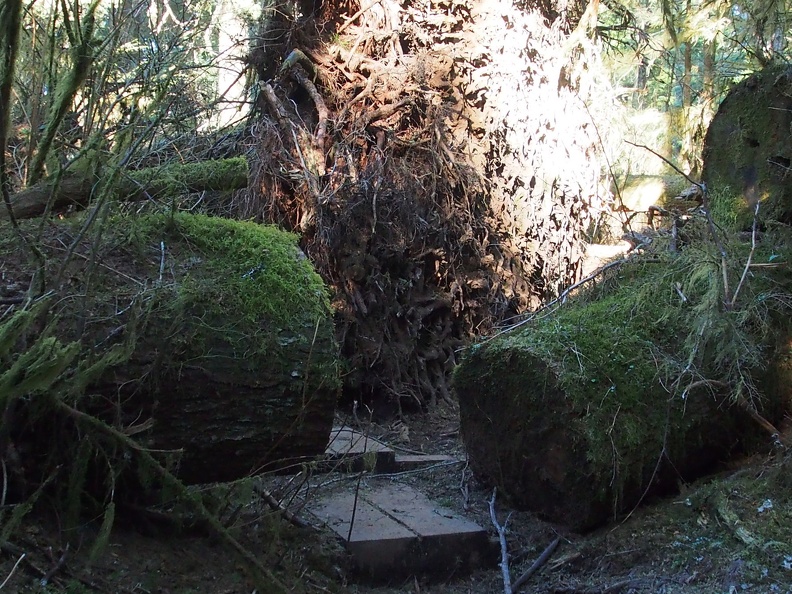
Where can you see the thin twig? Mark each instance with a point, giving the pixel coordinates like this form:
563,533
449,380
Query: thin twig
13,569
750,256
504,562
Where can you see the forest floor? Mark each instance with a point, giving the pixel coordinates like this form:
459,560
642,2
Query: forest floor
730,532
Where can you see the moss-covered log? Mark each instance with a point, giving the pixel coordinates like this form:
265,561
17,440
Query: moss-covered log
748,149
156,182
202,336
584,412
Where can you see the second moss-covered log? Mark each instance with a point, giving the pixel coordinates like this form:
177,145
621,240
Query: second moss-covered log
621,394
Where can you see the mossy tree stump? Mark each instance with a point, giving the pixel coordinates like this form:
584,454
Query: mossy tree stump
219,334
620,395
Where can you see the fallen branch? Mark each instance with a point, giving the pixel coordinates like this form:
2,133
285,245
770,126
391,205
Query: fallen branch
504,562
143,184
541,560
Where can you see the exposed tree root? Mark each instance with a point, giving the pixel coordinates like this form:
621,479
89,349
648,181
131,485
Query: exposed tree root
426,176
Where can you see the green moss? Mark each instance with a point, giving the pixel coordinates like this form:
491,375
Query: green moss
617,372
176,179
256,271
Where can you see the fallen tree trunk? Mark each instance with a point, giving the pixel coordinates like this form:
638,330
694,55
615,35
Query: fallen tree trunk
209,341
153,183
586,411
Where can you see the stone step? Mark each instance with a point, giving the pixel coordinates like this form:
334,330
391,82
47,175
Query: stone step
398,532
353,451
413,461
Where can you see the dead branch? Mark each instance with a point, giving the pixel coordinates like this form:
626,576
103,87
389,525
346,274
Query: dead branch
541,560
504,562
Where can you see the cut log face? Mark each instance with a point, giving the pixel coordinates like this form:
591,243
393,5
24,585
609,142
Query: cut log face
205,337
588,411
232,414
748,149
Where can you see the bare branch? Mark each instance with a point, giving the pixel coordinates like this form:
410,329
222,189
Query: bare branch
504,562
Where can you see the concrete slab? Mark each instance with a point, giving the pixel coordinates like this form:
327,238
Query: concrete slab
398,532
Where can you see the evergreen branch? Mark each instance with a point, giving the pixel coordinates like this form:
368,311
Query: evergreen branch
269,582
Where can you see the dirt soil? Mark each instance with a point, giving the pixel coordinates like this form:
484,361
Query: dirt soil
726,533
